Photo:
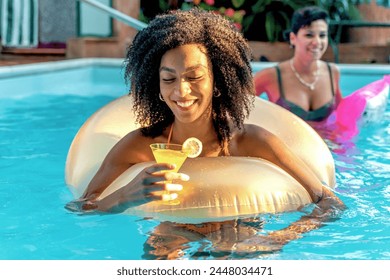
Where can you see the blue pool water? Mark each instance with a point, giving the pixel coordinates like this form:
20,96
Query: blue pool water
40,112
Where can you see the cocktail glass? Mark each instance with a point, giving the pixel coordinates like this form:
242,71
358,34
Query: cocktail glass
169,153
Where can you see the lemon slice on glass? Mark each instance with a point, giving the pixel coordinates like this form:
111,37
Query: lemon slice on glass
192,147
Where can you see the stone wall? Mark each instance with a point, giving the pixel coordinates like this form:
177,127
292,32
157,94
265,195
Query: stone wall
379,36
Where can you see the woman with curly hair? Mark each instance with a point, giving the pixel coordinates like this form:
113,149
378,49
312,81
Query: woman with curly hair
190,76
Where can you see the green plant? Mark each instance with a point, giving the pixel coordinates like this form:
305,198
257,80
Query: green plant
264,20
274,15
228,8
340,9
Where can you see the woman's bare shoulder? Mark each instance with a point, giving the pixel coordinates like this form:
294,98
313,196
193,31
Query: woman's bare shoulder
265,73
264,79
334,68
253,132
252,140
336,79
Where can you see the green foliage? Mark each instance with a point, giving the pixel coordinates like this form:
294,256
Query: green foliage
163,5
266,20
340,9
277,14
275,27
237,3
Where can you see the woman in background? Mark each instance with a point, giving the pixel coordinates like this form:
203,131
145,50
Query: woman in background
304,84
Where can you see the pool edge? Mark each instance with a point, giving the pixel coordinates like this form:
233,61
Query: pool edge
42,67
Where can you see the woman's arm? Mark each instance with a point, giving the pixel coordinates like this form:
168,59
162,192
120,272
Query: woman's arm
146,186
265,82
143,188
327,209
328,206
111,168
118,159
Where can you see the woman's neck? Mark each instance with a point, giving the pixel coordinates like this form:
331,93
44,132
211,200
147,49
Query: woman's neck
305,67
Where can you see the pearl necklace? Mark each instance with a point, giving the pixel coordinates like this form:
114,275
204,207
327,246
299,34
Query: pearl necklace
303,82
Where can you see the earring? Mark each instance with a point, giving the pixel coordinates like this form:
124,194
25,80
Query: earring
217,93
291,46
161,97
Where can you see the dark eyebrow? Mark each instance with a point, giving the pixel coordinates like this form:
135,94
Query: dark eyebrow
167,69
191,68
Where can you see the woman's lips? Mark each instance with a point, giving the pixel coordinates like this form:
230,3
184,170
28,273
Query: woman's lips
185,104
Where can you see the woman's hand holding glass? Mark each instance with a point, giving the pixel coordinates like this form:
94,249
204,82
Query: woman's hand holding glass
162,182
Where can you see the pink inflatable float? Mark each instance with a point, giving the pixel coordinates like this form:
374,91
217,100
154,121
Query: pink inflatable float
365,105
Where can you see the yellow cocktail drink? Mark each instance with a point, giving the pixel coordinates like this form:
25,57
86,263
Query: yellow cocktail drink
169,153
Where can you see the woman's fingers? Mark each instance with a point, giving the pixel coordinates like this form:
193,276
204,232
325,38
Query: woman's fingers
173,187
164,186
154,186
159,167
164,195
169,176
158,182
158,176
169,196
81,205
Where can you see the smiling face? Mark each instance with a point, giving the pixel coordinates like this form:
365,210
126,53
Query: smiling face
311,41
186,82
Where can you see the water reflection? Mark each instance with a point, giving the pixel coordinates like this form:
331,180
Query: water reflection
213,240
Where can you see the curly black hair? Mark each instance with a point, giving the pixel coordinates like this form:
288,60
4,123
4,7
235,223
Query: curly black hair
228,51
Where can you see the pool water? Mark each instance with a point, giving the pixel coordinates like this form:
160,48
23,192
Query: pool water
37,129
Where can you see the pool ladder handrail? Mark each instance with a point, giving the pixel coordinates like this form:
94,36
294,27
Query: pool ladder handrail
132,22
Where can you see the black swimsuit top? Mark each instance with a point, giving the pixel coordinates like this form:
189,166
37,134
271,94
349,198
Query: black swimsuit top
313,115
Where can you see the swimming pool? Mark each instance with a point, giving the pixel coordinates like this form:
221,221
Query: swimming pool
41,110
